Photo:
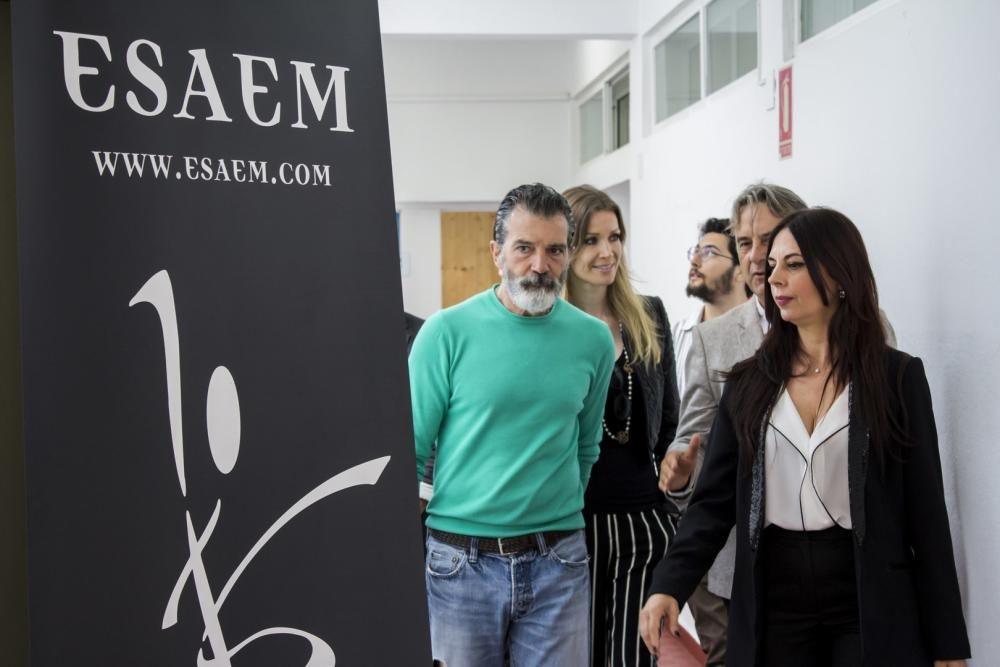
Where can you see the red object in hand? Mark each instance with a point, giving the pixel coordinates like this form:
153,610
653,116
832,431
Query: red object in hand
680,651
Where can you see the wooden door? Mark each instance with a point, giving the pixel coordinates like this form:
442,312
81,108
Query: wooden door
467,267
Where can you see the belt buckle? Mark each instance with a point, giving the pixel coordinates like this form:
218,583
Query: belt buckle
500,546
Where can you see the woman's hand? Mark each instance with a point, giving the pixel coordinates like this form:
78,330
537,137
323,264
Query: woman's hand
949,663
659,609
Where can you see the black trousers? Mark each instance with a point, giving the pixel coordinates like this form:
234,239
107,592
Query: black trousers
811,603
624,548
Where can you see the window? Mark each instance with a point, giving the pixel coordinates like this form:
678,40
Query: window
818,15
619,111
677,68
592,128
732,41
604,117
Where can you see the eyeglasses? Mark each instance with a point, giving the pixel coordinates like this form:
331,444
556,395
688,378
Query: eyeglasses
705,253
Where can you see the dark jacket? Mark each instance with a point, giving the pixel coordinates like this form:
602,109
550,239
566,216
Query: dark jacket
411,325
659,386
909,603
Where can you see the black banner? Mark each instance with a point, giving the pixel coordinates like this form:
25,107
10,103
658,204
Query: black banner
218,444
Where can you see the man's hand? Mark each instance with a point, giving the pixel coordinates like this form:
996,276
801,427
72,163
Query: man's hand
659,609
676,467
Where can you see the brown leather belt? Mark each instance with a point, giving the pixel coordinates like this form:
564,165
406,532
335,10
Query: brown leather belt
505,546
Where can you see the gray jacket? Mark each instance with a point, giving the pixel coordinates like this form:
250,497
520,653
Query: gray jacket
716,346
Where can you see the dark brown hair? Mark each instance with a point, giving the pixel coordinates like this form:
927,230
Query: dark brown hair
830,244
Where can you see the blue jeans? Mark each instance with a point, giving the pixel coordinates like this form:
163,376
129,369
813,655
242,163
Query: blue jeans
534,606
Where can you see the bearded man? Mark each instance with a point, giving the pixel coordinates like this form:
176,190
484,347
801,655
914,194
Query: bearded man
714,278
511,384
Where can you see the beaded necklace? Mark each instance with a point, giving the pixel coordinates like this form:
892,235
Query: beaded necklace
621,437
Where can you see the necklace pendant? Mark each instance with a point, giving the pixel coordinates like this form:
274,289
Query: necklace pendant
628,367
621,437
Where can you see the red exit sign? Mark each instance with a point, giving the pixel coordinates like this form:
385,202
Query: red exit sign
785,112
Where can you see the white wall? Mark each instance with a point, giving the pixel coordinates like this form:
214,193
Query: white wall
652,12
420,259
895,124
425,67
468,120
572,18
458,151
592,58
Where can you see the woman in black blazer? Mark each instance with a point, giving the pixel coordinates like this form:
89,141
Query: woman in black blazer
629,520
824,454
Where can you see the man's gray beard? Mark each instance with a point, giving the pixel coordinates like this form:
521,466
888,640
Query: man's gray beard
535,295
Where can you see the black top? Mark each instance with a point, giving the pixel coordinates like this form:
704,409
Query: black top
659,386
623,479
411,325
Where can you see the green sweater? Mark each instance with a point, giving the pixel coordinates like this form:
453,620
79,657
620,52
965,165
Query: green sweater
515,406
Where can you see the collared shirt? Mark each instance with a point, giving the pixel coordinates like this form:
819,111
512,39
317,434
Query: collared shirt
682,334
764,324
806,474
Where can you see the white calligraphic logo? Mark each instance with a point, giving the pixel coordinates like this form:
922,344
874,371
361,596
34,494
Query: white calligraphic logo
223,416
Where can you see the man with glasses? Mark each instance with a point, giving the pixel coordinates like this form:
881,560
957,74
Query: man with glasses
715,278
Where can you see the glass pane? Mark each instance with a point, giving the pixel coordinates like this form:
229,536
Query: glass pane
732,41
677,66
861,4
818,15
619,111
591,128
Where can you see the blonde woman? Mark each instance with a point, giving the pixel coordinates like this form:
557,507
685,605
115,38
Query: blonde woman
629,520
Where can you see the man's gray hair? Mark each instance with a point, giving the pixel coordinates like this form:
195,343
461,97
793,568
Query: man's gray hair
779,201
537,199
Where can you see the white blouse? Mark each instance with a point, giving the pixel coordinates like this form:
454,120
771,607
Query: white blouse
806,475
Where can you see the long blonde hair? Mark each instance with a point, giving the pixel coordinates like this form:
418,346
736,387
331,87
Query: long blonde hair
625,304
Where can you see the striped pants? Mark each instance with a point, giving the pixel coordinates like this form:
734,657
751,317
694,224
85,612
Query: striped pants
624,548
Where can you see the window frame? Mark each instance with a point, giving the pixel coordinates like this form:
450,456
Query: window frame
602,125
706,61
668,27
842,23
603,86
662,38
613,112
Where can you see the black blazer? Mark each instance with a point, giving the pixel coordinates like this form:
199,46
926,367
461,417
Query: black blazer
411,325
909,603
659,386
